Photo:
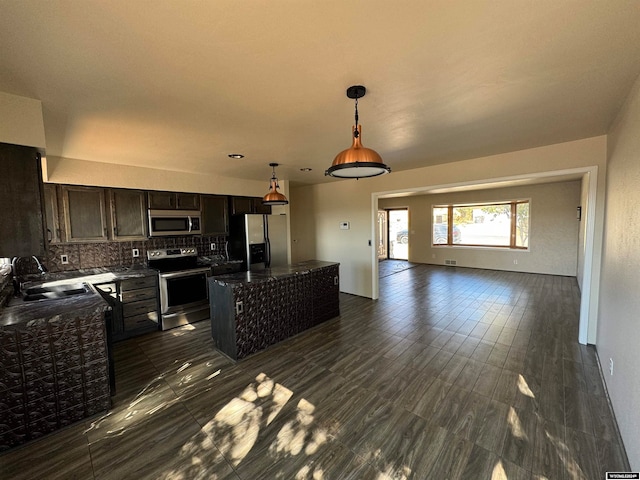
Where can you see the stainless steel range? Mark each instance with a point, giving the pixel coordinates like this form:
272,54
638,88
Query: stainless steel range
184,291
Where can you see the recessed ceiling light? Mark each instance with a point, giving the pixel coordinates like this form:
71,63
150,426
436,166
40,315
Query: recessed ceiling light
236,155
306,169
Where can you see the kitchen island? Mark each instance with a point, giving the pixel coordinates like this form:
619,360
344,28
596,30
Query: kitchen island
54,355
253,310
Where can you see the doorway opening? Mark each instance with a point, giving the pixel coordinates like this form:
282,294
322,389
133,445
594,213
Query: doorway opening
398,234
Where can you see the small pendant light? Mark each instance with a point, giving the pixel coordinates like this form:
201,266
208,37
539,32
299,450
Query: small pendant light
274,197
357,161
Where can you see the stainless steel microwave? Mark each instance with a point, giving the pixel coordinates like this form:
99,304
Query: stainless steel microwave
164,223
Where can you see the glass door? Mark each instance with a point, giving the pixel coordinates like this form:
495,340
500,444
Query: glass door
383,235
398,231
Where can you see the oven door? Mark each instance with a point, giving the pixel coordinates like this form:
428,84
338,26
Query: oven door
184,289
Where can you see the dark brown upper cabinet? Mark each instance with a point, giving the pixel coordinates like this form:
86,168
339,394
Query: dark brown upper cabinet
259,207
52,213
22,231
128,214
240,205
85,218
174,200
188,201
215,215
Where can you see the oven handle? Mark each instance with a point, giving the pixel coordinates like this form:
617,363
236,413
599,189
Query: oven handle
186,273
190,223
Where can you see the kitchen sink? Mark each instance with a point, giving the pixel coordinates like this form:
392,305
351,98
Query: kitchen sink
53,292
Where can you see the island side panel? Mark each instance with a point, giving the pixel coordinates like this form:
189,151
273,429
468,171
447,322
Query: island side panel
222,301
54,373
326,294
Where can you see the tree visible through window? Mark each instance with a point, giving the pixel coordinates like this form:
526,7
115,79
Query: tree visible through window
504,225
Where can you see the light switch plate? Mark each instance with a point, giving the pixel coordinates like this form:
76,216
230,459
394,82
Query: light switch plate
344,225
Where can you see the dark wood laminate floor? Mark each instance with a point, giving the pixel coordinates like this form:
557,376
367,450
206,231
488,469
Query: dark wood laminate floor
454,373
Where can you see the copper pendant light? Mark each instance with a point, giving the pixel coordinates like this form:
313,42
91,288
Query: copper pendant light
357,161
274,197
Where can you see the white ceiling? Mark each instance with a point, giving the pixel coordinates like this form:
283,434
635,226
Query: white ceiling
178,84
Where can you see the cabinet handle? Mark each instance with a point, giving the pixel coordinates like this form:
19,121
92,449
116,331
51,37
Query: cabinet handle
115,231
49,235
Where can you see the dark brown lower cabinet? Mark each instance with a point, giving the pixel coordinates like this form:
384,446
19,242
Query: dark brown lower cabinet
134,304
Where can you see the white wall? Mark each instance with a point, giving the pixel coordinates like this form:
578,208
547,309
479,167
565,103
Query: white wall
582,231
553,239
316,214
21,121
326,205
82,172
619,321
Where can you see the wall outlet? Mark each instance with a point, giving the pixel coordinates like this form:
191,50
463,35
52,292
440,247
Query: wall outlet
64,259
611,366
135,252
515,262
213,247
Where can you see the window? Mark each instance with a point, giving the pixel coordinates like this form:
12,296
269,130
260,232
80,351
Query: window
501,225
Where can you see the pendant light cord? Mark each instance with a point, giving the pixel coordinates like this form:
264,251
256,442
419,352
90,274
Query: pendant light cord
355,132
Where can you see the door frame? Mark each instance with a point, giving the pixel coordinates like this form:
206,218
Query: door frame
589,295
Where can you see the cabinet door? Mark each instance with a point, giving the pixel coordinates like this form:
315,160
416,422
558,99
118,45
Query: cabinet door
240,205
188,201
51,213
109,291
162,200
259,207
22,226
215,215
84,214
128,214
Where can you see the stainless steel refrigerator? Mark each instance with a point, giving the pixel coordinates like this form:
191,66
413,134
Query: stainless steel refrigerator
260,241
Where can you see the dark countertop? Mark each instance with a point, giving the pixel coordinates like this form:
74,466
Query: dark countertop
41,310
94,276
32,313
215,261
269,274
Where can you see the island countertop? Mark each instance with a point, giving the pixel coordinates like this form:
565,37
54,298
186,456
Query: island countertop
269,274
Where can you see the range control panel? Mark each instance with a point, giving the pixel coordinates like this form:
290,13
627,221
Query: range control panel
172,253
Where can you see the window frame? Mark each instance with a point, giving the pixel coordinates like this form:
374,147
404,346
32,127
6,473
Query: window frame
513,227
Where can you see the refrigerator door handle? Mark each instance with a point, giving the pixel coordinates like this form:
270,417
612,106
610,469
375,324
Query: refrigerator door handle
267,253
267,244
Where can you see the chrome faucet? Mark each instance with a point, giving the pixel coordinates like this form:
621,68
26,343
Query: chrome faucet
14,273
41,267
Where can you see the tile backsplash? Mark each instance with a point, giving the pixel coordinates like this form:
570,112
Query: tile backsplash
112,254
